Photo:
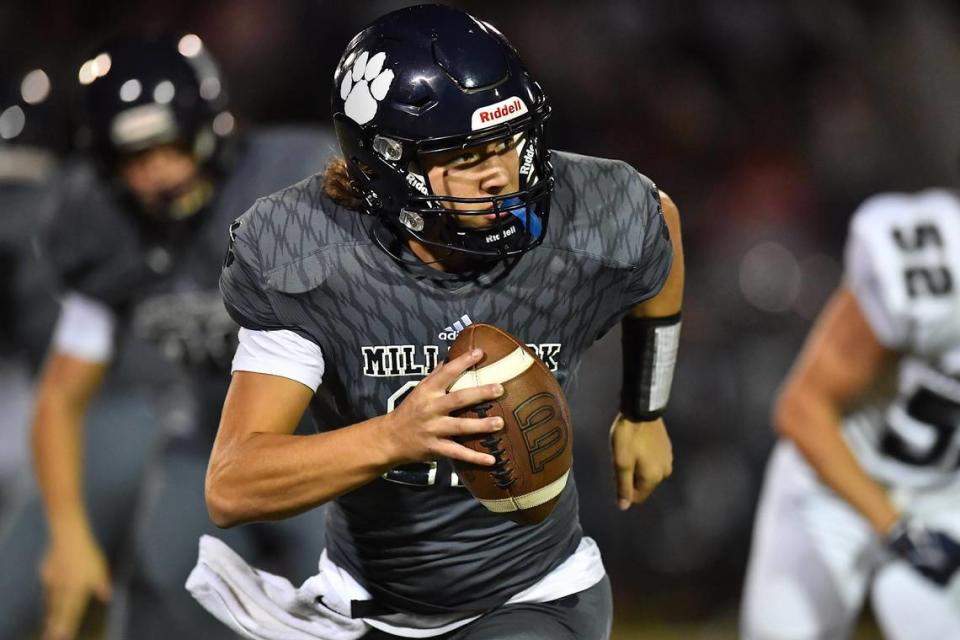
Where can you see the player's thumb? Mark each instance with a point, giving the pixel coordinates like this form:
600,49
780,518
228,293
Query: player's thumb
624,487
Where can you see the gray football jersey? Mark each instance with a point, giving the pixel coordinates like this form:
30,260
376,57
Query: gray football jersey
416,539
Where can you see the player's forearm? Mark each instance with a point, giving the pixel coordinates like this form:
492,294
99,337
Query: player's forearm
269,476
67,386
814,427
57,439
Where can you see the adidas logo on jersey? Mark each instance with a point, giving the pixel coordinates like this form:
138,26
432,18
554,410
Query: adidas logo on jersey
451,332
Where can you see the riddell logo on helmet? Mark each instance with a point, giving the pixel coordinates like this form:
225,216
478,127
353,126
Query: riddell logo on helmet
417,183
527,167
496,113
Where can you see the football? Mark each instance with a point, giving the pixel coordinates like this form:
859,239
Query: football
534,450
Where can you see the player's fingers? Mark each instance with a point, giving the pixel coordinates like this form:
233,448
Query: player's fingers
456,451
645,484
468,397
469,426
624,486
451,370
64,613
641,493
51,611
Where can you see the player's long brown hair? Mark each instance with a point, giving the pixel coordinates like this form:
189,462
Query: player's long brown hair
339,187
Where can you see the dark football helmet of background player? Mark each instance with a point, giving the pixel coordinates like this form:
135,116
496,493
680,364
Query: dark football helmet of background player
447,200
170,176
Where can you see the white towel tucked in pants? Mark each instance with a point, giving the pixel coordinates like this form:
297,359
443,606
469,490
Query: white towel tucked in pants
263,606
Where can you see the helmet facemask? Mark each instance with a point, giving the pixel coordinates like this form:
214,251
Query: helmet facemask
438,220
185,185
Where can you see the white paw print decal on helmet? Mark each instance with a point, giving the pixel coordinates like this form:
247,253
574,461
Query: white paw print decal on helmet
364,86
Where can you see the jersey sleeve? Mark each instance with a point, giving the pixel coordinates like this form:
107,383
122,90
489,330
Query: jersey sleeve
878,299
280,353
241,280
901,266
72,243
85,328
649,272
266,343
76,261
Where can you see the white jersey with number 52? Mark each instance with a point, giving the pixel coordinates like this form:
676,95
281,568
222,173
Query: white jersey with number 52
903,265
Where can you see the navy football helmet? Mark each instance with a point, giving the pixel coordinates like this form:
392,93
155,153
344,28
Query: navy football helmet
140,91
428,79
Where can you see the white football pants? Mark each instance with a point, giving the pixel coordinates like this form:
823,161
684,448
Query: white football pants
813,558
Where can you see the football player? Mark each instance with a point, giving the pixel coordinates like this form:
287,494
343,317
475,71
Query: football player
861,493
138,243
32,140
445,209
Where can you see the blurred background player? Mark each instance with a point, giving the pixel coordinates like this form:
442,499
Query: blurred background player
137,243
862,494
33,138
446,208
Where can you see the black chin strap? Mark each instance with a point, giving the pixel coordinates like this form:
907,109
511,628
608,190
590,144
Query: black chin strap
394,247
499,237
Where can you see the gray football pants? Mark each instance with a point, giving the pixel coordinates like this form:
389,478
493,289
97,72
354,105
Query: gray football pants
148,513
587,615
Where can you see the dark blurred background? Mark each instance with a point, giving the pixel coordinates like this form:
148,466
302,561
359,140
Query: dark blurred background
767,122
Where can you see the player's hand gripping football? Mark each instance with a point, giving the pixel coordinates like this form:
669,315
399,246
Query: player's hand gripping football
421,427
74,570
642,458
